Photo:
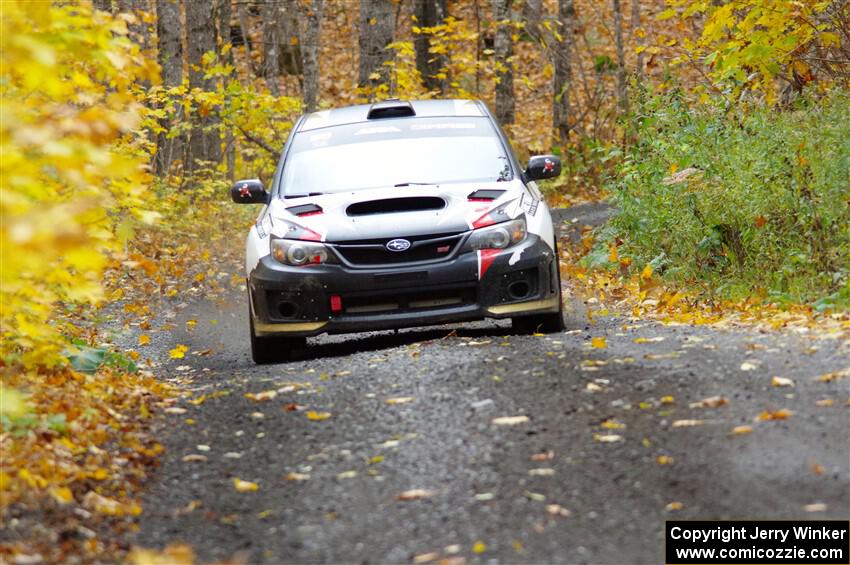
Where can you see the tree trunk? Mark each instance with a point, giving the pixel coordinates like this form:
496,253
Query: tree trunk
139,30
310,48
170,57
504,48
271,45
376,32
532,13
562,112
636,40
201,38
429,13
622,93
223,15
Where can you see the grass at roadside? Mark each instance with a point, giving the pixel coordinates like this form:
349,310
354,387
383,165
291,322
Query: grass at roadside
736,205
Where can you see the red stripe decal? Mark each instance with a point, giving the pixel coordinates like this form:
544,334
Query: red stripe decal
487,256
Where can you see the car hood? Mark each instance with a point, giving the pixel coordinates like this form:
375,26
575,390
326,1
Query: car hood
392,212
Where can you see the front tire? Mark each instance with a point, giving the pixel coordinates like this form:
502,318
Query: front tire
266,349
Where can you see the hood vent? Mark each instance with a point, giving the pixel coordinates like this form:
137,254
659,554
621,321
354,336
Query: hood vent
305,209
396,205
485,195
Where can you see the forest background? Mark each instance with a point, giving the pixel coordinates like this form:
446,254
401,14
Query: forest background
718,130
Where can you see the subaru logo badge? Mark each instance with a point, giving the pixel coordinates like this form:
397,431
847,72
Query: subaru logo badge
398,245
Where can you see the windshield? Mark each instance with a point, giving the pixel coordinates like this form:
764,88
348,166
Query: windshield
398,152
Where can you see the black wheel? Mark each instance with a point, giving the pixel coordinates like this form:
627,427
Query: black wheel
544,323
266,350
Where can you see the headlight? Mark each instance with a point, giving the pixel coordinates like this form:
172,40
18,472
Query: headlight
498,236
298,253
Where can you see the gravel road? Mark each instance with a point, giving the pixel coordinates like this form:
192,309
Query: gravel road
609,448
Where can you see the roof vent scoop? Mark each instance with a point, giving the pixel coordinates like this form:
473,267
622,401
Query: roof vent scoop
392,108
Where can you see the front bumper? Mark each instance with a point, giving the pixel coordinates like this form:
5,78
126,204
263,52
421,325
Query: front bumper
296,301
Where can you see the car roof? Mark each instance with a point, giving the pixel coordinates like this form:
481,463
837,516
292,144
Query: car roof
409,109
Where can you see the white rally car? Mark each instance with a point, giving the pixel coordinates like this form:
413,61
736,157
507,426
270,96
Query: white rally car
398,214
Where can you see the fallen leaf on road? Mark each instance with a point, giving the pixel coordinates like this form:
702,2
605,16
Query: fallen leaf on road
543,456
817,469
313,415
781,382
834,376
346,475
663,460
749,366
510,420
599,343
816,507
667,400
292,407
62,495
541,472
593,387
175,410
612,425
415,494
607,438
535,496
767,415
824,402
674,506
144,339
296,477
557,510
399,400
244,486
484,496
426,557
661,356
479,547
263,396
741,430
178,352
687,423
648,339
710,402
194,458
202,447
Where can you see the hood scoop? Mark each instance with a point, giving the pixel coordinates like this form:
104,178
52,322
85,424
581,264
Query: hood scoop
396,205
485,195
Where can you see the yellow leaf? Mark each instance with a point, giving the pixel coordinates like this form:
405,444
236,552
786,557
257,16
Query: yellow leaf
245,486
62,495
663,460
741,430
767,415
144,339
399,400
781,382
599,343
261,396
178,352
479,547
313,415
646,274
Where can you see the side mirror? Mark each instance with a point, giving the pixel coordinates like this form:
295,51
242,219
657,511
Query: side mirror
249,191
543,167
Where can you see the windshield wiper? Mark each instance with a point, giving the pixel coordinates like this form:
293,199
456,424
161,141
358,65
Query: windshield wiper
303,195
415,183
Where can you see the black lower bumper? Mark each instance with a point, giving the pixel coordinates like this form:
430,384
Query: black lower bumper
297,301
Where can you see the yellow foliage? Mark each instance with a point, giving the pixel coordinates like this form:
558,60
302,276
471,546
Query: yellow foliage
71,172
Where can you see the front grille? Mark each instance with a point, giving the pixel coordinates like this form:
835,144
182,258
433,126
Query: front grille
407,301
434,247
